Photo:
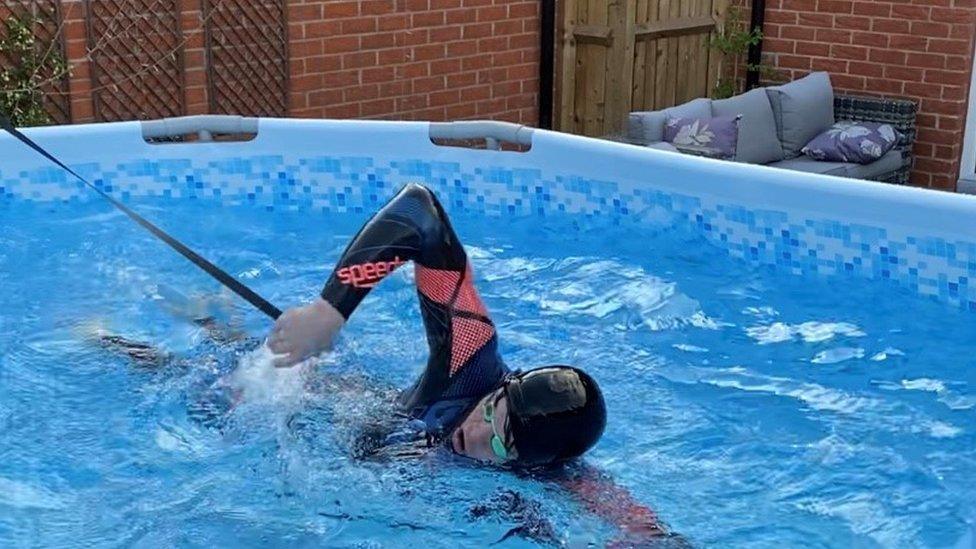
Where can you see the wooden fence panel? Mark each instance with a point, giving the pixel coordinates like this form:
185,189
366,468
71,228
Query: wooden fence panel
619,56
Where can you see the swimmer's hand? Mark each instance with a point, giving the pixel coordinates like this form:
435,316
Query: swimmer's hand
304,332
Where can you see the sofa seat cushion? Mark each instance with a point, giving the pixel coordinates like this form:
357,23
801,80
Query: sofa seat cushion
662,146
804,164
802,110
758,141
891,161
886,164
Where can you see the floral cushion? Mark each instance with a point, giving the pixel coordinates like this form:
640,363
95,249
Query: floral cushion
848,141
713,137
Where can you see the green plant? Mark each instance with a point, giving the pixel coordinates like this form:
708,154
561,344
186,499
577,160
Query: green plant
30,66
724,88
768,73
734,40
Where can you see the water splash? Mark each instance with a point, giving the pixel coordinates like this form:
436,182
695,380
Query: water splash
840,354
259,382
809,332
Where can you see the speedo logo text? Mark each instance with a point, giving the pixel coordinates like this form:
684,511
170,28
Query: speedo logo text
369,274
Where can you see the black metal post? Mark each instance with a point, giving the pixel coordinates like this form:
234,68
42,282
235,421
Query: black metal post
547,55
754,57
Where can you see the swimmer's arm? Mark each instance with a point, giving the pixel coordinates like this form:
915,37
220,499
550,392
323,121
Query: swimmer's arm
601,496
411,227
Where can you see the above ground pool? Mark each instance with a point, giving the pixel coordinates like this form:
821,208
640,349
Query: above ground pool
787,358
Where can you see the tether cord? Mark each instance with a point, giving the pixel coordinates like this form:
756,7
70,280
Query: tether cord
221,276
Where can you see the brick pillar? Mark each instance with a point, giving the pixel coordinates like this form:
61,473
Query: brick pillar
194,58
76,52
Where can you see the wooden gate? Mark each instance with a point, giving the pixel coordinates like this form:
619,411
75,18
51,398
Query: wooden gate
619,56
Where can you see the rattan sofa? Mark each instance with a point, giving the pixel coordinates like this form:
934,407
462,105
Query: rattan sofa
894,167
900,113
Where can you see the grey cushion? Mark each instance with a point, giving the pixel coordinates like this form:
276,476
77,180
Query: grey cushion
891,161
648,126
758,141
802,110
696,108
804,164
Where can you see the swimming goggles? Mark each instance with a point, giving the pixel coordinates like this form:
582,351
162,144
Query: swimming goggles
497,441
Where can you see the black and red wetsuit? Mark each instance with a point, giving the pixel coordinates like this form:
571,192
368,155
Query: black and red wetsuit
464,364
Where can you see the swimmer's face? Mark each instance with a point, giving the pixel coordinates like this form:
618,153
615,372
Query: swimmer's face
473,437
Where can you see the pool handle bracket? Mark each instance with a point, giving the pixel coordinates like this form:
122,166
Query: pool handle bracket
204,125
492,131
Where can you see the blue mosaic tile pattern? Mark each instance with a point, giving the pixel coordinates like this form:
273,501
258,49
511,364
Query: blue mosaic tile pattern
931,266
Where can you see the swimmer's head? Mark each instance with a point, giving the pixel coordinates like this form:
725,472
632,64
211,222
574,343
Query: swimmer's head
542,416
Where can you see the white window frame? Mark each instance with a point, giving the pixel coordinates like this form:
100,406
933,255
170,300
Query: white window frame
967,170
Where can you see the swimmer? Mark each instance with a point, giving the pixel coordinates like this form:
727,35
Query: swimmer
467,397
467,400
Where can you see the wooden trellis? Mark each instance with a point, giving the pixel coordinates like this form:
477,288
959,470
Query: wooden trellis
247,57
136,58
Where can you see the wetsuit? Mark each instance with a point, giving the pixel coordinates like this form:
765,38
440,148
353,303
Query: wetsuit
464,364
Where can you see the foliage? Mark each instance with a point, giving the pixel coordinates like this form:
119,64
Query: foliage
30,66
734,40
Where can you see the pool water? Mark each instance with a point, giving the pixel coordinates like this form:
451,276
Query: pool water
748,408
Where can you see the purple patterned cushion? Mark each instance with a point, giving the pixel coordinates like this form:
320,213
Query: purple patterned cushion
848,141
713,137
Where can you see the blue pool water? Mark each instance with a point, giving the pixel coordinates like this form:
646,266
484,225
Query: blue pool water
747,408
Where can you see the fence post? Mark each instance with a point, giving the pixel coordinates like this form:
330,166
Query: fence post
620,65
567,65
547,34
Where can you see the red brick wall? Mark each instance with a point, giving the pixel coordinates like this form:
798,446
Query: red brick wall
394,59
920,49
415,59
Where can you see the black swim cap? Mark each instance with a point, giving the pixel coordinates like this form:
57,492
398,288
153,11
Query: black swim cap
555,413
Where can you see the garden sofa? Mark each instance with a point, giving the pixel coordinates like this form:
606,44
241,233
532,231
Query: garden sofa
778,121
